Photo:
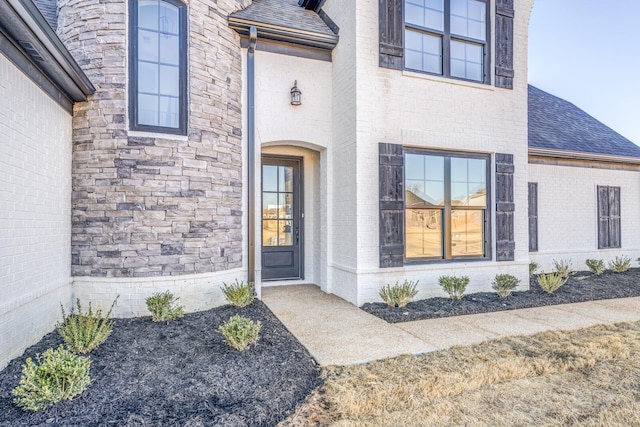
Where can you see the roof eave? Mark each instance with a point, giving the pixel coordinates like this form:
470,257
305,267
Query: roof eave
284,34
562,154
23,20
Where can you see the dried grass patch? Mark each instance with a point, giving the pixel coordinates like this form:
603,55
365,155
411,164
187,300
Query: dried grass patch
587,377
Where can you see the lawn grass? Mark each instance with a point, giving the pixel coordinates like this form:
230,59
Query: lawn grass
588,377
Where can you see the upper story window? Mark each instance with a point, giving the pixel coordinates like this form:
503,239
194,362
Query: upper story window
447,37
158,79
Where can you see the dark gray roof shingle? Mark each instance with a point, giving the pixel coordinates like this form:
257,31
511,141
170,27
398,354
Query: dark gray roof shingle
284,13
49,9
556,124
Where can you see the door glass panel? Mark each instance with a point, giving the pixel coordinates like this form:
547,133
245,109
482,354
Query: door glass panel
269,205
286,233
286,178
269,233
277,205
467,233
269,178
424,233
285,206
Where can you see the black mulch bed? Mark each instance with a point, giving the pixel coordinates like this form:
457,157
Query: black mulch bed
580,287
178,373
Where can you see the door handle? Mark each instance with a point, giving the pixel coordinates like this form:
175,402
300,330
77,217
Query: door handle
297,235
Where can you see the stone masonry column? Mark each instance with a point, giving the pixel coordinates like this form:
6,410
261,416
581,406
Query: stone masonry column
155,205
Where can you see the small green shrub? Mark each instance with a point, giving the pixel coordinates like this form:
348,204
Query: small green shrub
620,264
550,282
533,266
399,295
504,284
596,266
57,375
240,332
163,307
455,286
83,332
239,294
563,267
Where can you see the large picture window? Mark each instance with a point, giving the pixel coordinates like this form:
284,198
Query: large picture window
446,200
158,66
447,37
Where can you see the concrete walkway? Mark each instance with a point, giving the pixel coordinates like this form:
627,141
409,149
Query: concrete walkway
338,333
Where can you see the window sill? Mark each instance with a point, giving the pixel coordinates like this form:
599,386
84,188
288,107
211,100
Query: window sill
441,79
425,261
142,134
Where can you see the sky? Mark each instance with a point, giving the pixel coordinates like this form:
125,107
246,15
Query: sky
588,53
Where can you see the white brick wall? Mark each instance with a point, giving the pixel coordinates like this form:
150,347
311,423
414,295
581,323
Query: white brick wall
342,164
35,211
567,214
197,292
369,105
418,110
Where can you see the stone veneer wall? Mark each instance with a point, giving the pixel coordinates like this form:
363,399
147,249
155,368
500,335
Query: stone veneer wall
145,204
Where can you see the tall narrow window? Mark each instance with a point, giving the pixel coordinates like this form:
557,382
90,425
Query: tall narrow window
608,217
158,99
447,37
446,200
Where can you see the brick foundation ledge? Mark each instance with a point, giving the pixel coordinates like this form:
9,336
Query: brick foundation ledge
197,292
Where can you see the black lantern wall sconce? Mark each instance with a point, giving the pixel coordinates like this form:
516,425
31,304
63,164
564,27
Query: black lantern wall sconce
296,94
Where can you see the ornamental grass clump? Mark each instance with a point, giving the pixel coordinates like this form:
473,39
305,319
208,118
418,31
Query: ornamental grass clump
239,294
84,332
563,267
453,285
533,266
399,295
596,266
550,282
57,375
240,332
163,307
620,264
504,284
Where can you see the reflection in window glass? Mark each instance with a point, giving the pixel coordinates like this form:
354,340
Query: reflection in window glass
423,52
277,205
269,178
158,64
445,206
446,37
425,13
423,233
467,233
468,182
466,61
468,19
424,180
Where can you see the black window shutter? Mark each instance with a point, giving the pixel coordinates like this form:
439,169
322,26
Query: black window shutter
614,217
505,244
504,43
391,34
533,217
391,205
609,235
603,217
